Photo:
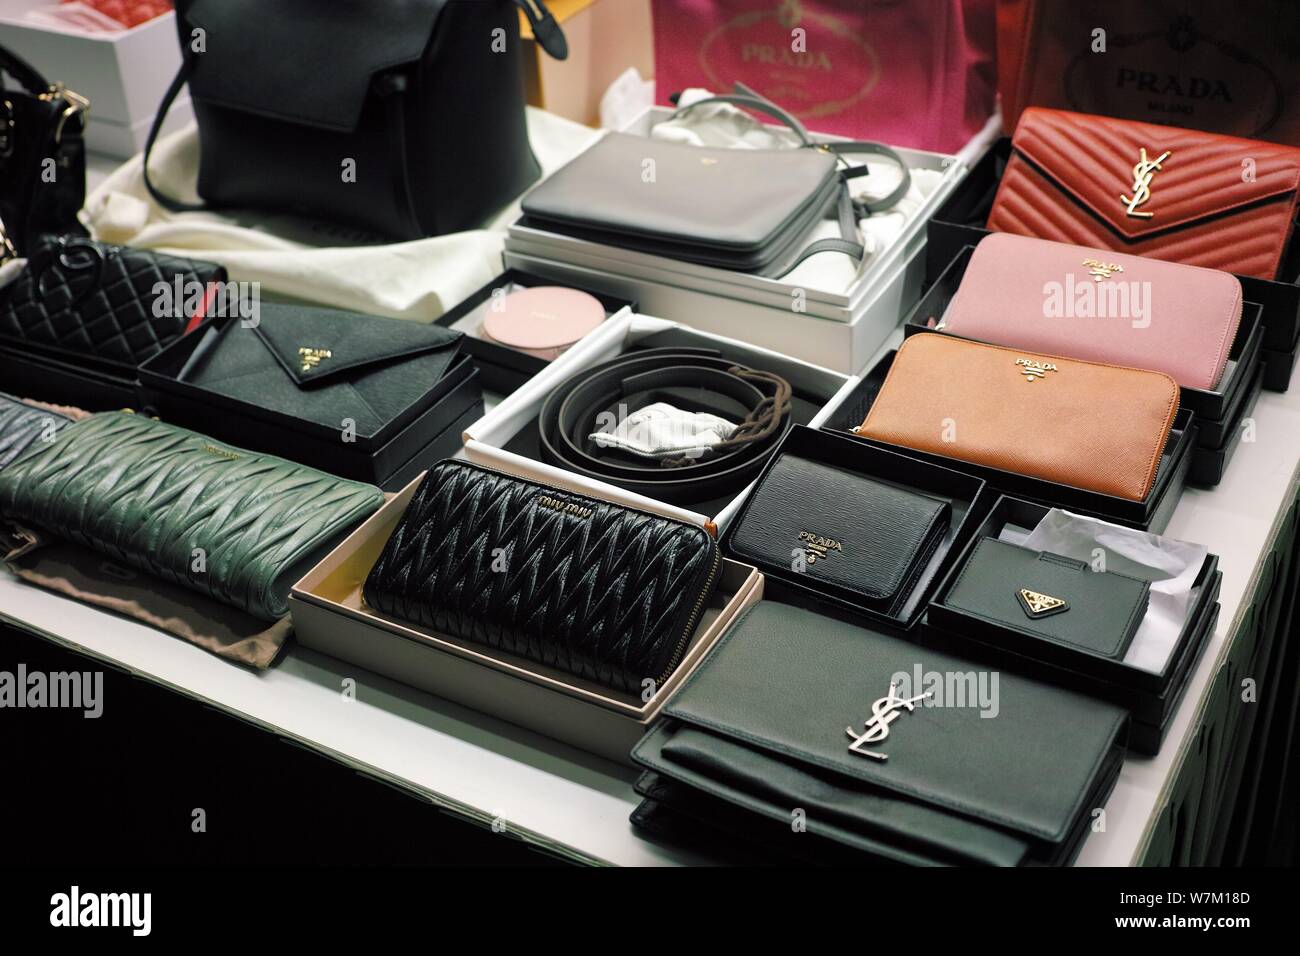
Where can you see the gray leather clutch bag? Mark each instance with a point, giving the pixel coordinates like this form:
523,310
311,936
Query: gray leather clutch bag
21,425
793,709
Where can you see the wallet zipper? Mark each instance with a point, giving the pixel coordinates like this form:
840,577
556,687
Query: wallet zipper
691,621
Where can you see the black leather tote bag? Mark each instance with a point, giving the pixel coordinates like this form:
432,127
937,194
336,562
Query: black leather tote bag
403,118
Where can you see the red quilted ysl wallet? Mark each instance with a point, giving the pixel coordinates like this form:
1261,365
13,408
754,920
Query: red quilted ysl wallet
1177,194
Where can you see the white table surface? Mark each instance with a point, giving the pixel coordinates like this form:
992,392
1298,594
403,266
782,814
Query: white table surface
575,804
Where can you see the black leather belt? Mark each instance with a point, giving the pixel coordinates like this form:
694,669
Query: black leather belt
696,380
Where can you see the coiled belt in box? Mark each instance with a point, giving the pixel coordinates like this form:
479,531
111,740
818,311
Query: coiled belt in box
697,380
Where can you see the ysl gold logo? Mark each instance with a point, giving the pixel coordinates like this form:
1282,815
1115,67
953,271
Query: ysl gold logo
884,712
1033,370
1142,174
1102,270
313,357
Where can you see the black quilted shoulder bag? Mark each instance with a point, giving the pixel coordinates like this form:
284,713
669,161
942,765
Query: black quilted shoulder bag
600,591
403,118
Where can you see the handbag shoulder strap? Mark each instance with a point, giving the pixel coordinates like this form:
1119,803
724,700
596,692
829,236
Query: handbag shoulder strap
22,71
161,198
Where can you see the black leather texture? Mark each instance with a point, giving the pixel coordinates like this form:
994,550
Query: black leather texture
22,424
743,209
961,784
34,130
415,93
697,380
365,368
1104,609
865,538
596,590
235,525
89,301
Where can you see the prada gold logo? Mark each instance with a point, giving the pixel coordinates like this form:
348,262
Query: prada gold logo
1102,270
564,507
1033,370
220,452
817,546
1143,172
312,357
1036,604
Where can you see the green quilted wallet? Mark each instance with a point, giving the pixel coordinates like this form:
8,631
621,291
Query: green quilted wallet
238,526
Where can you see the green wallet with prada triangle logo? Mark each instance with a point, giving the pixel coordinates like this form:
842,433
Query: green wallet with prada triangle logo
1050,597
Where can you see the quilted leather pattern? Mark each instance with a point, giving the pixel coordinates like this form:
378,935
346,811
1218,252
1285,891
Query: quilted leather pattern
1068,170
585,586
148,494
89,298
21,424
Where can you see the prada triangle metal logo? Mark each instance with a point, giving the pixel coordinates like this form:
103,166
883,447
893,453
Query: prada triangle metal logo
884,712
1037,604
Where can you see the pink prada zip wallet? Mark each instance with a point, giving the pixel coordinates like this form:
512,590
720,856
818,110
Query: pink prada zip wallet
1099,306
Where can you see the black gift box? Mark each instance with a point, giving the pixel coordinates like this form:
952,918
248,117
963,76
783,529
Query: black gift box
1152,514
92,387
1218,413
427,431
503,369
959,222
1151,696
968,497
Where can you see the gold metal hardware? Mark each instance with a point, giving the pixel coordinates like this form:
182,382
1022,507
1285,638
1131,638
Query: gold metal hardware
313,357
1143,171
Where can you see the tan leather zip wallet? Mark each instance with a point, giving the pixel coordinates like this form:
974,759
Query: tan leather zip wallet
1098,427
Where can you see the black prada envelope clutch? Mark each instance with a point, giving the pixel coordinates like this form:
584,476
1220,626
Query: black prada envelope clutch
325,366
1050,597
906,754
864,540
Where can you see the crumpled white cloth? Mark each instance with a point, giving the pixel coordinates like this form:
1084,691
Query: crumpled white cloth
661,430
313,261
725,126
1169,564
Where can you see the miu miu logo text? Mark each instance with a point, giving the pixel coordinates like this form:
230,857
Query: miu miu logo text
564,507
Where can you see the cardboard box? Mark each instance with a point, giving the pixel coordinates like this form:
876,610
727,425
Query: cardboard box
124,74
835,330
1151,696
1153,514
1218,412
328,616
959,221
506,437
969,499
605,37
501,368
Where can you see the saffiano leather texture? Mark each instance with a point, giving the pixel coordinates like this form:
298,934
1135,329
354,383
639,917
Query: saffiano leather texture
1097,427
238,526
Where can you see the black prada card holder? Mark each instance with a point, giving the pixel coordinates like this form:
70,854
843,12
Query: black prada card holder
325,366
1051,597
864,540
780,712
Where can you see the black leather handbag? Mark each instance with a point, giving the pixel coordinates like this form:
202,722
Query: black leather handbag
95,304
599,591
399,117
42,157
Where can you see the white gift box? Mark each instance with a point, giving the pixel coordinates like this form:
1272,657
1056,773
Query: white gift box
486,439
835,330
123,74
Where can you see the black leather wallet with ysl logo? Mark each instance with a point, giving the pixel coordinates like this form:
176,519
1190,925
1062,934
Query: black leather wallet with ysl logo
1047,596
864,540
